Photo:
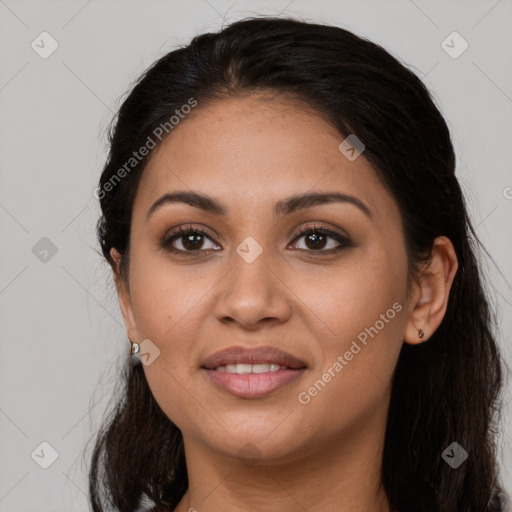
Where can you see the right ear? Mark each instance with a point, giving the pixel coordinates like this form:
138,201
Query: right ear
123,294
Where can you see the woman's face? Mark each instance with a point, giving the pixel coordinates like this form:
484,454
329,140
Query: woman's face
336,303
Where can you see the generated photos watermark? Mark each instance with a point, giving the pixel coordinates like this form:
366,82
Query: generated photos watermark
137,156
305,397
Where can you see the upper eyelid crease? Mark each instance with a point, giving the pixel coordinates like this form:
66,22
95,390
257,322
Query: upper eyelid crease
284,207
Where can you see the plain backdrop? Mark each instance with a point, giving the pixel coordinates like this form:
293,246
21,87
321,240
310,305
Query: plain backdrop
63,340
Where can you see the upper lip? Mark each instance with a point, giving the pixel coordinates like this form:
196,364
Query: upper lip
262,355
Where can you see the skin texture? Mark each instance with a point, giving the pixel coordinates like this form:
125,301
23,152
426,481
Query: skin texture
248,153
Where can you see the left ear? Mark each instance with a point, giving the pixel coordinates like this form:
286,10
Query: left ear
431,292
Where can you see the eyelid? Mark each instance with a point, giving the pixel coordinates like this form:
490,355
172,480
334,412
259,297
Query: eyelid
319,227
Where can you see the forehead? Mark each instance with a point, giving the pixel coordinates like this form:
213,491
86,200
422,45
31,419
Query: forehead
251,151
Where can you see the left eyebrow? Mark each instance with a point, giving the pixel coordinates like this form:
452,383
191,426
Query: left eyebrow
303,201
284,207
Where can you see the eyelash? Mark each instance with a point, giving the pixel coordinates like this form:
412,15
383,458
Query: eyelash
168,240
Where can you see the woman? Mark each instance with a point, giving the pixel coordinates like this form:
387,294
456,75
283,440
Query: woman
296,270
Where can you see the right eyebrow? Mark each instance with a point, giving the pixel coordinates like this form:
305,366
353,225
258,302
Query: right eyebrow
191,198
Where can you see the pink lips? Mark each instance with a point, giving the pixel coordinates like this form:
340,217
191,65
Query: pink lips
253,385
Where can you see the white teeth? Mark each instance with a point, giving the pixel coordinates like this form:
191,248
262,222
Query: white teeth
243,368
260,368
250,368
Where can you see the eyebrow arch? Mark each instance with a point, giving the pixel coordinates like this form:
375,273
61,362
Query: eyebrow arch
284,207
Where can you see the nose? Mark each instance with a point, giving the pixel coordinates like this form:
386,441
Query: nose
253,294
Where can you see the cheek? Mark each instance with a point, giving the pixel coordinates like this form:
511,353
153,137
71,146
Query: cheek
359,319
165,296
167,309
340,302
352,385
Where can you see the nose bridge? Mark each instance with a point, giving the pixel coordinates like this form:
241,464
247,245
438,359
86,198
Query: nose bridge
252,269
252,290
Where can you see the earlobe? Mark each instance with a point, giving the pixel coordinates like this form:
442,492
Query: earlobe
431,292
123,294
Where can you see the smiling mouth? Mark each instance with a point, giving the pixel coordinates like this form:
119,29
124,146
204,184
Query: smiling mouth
252,373
245,368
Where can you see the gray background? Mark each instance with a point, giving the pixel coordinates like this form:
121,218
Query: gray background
63,339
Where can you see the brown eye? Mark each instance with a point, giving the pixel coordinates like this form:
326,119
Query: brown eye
192,240
316,239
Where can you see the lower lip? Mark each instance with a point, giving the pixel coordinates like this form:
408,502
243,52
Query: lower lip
253,385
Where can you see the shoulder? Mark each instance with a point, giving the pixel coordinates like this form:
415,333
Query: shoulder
500,501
